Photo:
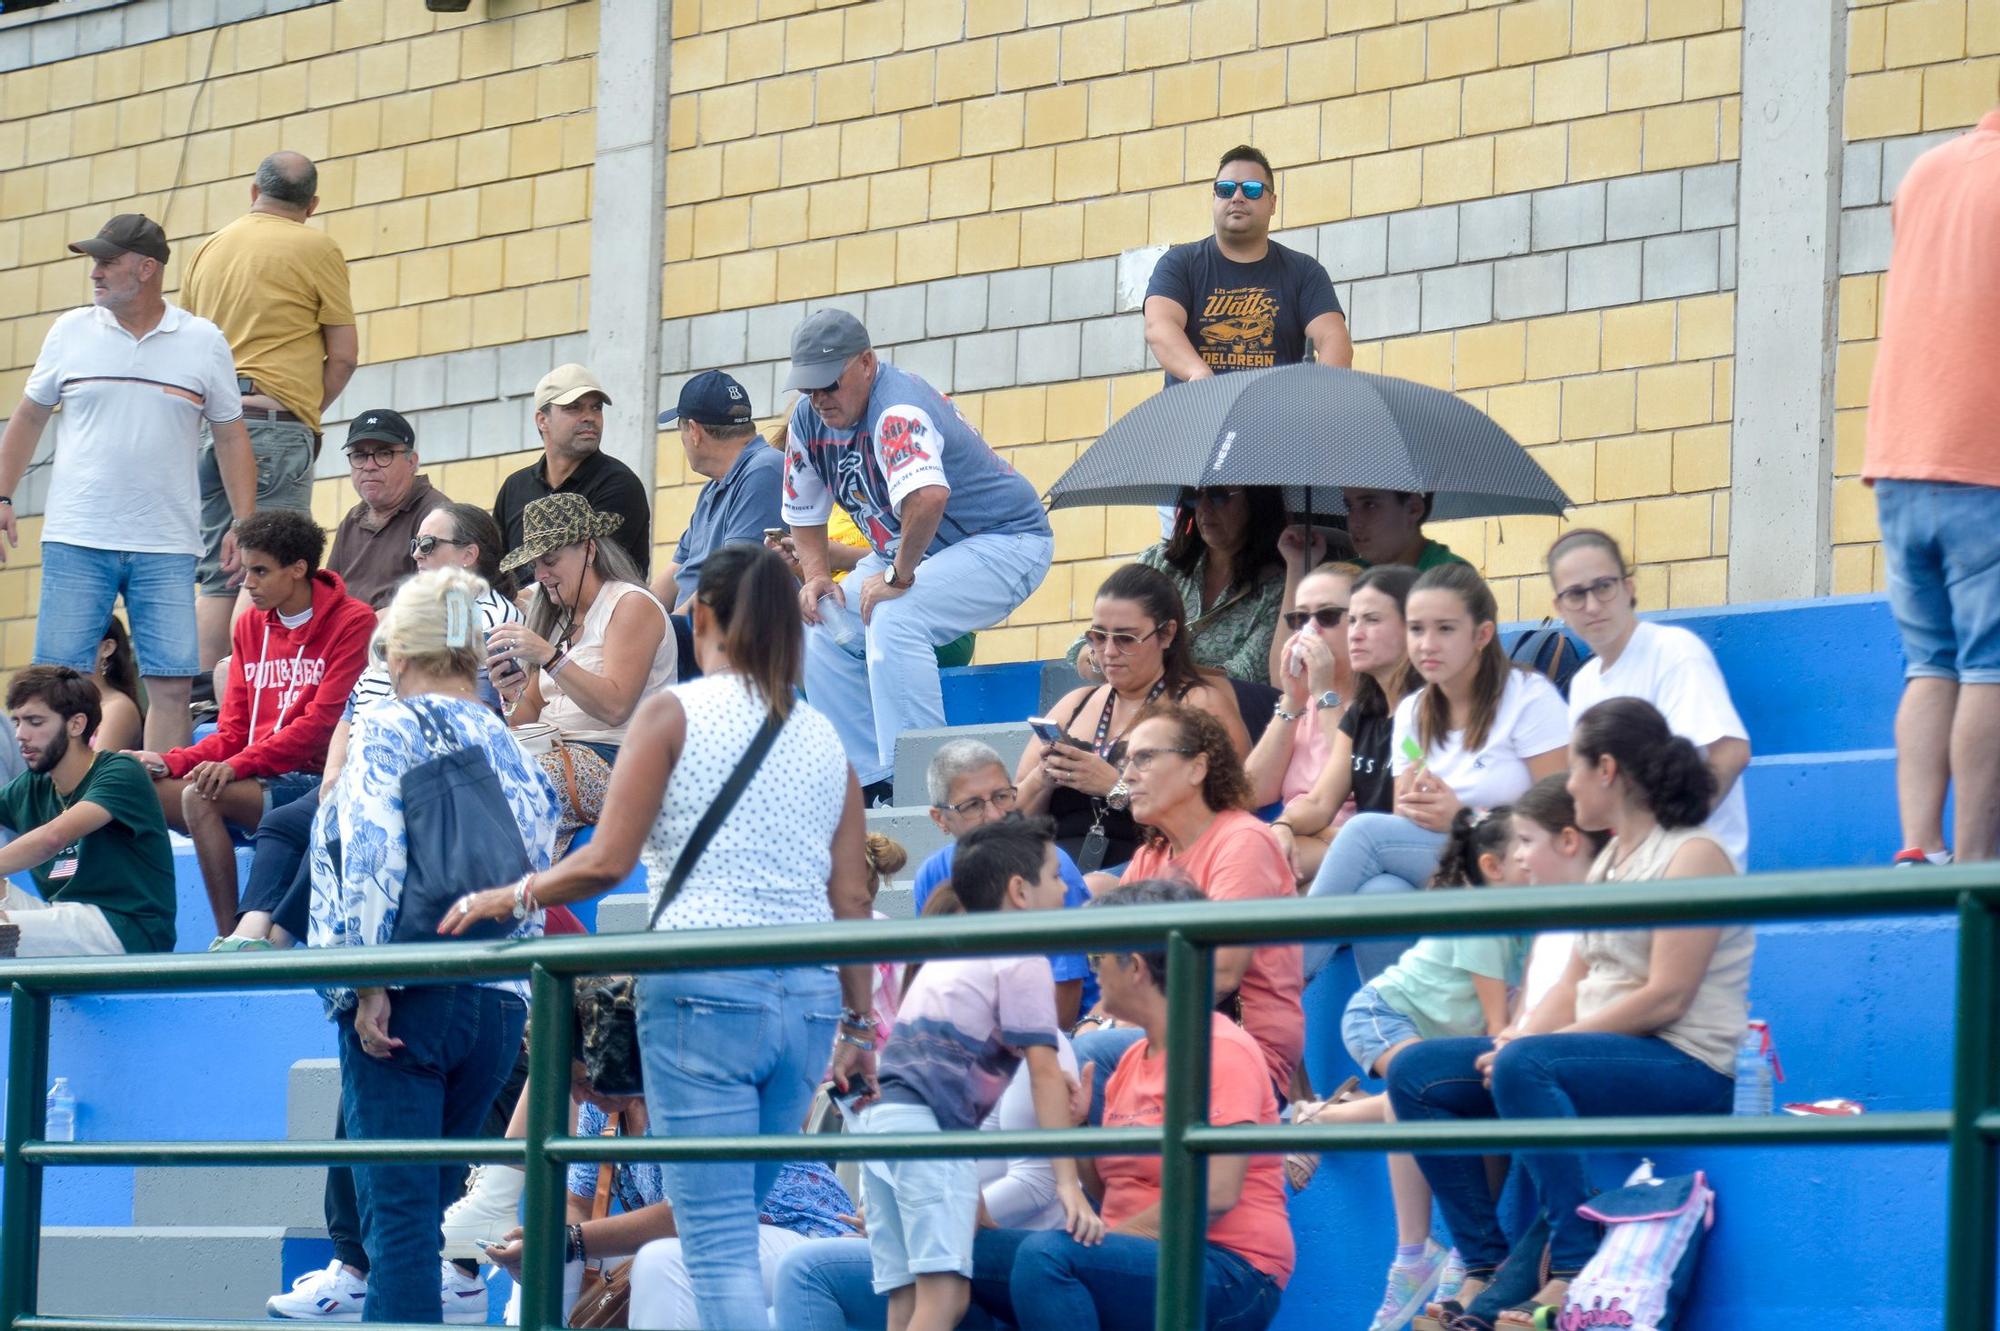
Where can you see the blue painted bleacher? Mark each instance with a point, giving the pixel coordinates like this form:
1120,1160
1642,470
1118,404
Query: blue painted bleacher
1860,1010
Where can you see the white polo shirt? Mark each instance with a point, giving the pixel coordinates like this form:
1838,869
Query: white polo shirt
129,427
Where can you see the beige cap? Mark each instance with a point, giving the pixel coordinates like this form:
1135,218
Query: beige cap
565,384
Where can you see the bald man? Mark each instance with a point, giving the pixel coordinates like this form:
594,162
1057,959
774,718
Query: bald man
277,289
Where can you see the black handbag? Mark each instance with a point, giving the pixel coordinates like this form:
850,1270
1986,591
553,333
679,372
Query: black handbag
606,1005
462,833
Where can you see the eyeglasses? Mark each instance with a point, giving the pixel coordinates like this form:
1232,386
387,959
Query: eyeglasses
1001,799
1096,960
363,459
1597,589
1252,189
421,546
1124,642
1327,617
1140,760
1214,498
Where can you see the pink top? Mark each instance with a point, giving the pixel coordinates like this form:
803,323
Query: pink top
1310,750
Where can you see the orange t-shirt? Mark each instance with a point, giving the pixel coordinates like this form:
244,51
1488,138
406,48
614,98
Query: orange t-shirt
1238,859
1258,1228
1934,406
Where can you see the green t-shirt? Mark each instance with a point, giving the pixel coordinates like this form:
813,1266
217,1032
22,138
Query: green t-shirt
1435,553
1431,983
125,868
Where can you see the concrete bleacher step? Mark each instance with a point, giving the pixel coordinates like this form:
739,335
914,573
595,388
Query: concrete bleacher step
916,748
190,1271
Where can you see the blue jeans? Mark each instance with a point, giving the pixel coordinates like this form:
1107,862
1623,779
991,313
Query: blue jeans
159,608
731,1053
1541,1076
459,1043
1103,1046
1043,1278
971,585
1372,853
280,880
828,1285
1941,542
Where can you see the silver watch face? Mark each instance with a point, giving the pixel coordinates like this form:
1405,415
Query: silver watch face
1327,699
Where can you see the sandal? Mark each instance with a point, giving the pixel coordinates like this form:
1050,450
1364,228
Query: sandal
1300,1166
1537,1312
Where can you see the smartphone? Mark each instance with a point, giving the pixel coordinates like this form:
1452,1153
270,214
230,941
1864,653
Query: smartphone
776,534
1048,732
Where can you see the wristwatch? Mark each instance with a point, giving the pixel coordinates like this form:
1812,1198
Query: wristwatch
1119,797
890,578
1326,700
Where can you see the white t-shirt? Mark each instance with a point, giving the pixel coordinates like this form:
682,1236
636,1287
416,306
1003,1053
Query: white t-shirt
132,410
1674,670
1530,721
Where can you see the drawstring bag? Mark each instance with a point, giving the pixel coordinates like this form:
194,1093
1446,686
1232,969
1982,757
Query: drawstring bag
462,832
1645,1267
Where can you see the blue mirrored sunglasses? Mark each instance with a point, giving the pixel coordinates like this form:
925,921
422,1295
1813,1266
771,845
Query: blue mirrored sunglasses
1252,189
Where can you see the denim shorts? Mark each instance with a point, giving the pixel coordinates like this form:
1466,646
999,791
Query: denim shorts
1942,544
921,1213
287,787
1370,1028
159,608
284,451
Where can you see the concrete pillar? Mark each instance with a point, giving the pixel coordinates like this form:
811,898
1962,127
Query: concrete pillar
628,199
1788,227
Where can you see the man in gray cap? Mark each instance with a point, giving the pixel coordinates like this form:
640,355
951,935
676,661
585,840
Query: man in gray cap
136,379
957,538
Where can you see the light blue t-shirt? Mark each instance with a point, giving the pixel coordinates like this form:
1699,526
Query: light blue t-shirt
1066,966
734,510
910,437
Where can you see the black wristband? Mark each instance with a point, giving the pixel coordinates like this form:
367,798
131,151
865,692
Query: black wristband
573,1244
8,500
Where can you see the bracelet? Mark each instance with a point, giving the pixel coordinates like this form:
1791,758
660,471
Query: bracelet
573,1244
8,500
1283,715
842,1037
556,663
860,1021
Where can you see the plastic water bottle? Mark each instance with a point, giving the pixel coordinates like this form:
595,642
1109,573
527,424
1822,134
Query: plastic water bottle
1753,1070
62,1113
844,625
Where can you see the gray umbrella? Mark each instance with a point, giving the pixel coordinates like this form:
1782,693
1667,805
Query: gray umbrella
1311,428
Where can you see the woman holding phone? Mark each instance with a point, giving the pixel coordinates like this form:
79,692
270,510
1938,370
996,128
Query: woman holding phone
1072,772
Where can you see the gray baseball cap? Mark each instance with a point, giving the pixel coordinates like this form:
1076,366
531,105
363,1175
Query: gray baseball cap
822,345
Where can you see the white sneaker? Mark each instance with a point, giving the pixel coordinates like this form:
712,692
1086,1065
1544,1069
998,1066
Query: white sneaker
332,1295
490,1208
463,1296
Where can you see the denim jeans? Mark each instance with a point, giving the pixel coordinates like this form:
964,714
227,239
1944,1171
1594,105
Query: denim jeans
1941,542
280,878
1372,852
731,1053
971,585
159,608
1578,1075
828,1285
1102,1047
459,1044
1037,1278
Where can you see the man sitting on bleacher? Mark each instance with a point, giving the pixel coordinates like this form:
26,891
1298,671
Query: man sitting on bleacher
89,828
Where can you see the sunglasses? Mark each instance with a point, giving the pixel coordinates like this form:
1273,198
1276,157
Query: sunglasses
1214,497
1124,642
1598,589
1252,189
1328,617
420,546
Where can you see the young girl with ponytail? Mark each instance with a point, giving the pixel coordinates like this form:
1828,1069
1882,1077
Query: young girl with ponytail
1642,1020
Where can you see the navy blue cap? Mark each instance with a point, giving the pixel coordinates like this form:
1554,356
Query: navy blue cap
711,398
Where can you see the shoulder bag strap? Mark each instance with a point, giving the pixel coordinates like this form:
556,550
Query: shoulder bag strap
600,1202
725,800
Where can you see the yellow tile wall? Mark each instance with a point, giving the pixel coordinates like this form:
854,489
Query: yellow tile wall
1913,66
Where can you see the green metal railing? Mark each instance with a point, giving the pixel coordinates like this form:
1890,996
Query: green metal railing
1184,1140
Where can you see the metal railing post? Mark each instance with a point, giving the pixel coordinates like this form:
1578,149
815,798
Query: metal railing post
543,1197
1183,1283
21,1209
1971,1230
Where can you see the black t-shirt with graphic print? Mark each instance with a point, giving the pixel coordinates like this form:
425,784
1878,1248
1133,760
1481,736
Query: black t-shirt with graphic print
1244,316
1374,784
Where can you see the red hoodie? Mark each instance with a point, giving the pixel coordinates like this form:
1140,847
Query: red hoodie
286,689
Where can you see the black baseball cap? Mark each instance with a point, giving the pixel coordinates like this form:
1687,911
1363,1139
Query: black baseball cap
381,425
127,233
710,398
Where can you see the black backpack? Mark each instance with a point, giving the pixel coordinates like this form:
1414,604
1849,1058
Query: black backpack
1549,650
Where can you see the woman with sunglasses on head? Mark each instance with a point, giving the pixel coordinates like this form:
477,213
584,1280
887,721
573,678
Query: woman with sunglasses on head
1191,798
1223,560
1136,636
1667,666
596,641
1477,734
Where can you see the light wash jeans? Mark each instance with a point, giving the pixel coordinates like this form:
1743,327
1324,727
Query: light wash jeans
1372,853
731,1053
971,585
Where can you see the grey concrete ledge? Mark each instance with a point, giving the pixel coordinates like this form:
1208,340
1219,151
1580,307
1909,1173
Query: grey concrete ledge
86,27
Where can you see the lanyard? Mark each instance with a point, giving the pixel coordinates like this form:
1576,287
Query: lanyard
1103,749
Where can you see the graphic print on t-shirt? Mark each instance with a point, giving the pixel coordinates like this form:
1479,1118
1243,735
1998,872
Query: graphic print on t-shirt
1238,329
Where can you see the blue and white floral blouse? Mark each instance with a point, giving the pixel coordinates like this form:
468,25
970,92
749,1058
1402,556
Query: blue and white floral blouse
357,906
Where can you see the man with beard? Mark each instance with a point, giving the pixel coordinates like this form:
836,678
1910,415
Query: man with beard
89,827
569,416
